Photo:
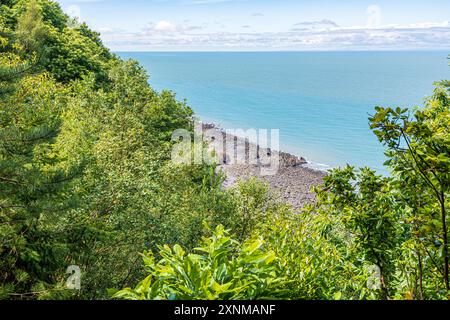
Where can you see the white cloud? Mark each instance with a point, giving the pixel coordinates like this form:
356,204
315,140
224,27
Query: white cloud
111,31
170,29
317,24
165,26
168,36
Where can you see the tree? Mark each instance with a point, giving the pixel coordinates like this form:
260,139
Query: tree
364,203
32,186
31,32
418,147
34,183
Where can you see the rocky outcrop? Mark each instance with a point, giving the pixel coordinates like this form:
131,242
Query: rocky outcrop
289,160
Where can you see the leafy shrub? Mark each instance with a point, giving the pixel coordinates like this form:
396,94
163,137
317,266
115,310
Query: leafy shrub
221,269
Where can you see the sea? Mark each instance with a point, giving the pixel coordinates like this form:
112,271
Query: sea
320,101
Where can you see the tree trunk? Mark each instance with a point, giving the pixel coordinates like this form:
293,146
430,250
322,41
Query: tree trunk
420,276
445,239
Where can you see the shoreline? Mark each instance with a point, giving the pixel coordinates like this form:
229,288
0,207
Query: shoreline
315,166
292,182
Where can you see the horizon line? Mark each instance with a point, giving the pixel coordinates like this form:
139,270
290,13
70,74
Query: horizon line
287,51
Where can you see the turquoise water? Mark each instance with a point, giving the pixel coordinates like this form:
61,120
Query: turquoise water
320,101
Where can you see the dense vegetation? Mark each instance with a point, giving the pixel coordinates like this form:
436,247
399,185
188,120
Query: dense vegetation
86,179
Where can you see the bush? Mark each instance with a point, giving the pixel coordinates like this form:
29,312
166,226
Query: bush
222,269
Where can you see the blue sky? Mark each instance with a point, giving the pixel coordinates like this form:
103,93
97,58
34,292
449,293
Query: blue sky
152,25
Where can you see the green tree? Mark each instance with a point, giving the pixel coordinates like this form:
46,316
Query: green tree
418,147
31,32
364,203
32,186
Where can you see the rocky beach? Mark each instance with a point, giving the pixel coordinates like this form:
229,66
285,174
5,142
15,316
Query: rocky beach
291,183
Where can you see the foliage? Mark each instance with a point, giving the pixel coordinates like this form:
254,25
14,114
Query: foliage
317,256
86,179
419,155
31,184
223,269
366,207
31,32
81,156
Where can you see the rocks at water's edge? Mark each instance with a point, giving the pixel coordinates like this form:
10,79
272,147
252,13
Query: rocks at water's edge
292,183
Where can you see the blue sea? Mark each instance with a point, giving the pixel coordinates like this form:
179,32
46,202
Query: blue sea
320,101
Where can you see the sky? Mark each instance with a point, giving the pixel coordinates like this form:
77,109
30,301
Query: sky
266,25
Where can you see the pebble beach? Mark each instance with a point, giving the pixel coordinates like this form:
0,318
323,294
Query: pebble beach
291,183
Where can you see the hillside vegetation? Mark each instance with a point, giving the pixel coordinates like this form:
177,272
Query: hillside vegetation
86,180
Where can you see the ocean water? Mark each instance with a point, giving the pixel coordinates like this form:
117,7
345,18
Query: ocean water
320,101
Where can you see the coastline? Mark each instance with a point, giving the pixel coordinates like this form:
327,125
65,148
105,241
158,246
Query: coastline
292,182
